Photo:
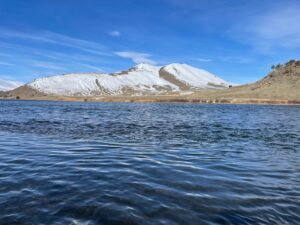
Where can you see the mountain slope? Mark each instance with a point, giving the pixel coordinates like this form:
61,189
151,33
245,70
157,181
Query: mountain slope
281,86
282,82
142,79
7,85
190,78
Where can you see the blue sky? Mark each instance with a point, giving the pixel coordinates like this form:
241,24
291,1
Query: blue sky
237,40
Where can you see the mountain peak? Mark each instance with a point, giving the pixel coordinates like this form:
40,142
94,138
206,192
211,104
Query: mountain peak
177,65
144,67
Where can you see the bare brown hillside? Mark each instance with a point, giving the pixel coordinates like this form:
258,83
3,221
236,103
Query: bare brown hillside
23,92
282,83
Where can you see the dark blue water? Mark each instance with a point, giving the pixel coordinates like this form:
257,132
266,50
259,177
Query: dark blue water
113,163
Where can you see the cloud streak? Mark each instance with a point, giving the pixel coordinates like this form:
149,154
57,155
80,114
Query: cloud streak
115,33
56,39
5,64
136,57
276,27
44,53
203,60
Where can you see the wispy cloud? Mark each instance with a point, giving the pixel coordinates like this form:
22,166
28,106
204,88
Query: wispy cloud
225,59
6,64
46,53
203,60
48,65
137,57
6,77
115,33
234,59
276,27
267,26
94,68
65,66
56,39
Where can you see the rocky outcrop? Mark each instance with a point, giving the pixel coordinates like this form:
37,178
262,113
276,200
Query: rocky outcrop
172,79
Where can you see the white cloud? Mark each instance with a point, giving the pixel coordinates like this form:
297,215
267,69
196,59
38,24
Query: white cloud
115,33
136,57
204,60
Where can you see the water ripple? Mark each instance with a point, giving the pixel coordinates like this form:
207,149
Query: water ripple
102,163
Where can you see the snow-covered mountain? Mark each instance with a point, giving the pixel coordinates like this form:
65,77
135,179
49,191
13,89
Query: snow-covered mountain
188,77
8,85
141,79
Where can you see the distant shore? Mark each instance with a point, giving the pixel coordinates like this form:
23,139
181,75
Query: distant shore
163,99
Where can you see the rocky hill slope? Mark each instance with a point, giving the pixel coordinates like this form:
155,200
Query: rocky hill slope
283,82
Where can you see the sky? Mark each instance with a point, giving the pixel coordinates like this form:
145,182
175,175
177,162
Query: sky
238,40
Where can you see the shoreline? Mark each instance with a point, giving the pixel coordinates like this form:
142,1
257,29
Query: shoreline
163,99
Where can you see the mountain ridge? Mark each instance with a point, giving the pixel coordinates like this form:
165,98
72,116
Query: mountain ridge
142,79
280,86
